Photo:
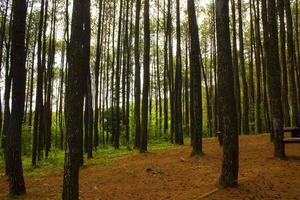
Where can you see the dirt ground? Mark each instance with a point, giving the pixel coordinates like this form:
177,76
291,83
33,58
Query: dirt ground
172,174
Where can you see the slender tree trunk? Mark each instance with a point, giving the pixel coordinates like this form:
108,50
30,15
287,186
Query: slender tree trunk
266,63
129,75
137,81
158,69
39,91
236,66
170,68
166,67
144,128
97,69
245,123
284,85
291,65
7,94
187,92
118,73
258,67
61,127
178,82
2,38
251,71
31,81
87,75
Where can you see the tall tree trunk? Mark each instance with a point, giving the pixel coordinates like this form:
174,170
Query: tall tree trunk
129,75
61,127
97,69
258,67
31,81
251,71
137,81
49,91
18,59
166,67
170,68
2,38
235,63
158,69
178,82
291,64
187,85
7,94
38,114
230,165
245,123
118,72
274,81
266,63
284,85
146,84
113,71
196,87
76,82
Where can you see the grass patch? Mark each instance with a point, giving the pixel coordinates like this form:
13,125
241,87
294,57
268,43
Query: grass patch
102,156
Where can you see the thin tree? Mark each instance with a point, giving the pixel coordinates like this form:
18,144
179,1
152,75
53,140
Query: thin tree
284,85
38,124
170,67
137,80
166,68
144,130
258,66
117,130
291,63
178,82
236,65
2,38
245,124
97,69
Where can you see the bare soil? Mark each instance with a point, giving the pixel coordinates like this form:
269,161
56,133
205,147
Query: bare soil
173,174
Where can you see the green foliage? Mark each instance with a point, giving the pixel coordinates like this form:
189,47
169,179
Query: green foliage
103,156
110,120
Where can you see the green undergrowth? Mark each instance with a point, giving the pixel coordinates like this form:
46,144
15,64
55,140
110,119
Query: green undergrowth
103,156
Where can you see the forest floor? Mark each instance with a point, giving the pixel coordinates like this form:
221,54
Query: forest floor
173,174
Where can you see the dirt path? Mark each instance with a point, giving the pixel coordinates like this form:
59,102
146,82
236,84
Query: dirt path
174,175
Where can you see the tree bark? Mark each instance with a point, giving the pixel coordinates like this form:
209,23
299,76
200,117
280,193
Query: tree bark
144,129
137,81
274,82
178,82
230,165
245,124
18,59
195,87
74,103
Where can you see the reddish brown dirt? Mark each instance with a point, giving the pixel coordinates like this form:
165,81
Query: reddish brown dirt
174,175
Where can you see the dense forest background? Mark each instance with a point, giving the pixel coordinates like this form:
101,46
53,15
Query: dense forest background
152,72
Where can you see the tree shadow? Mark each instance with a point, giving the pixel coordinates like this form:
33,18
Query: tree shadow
293,158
